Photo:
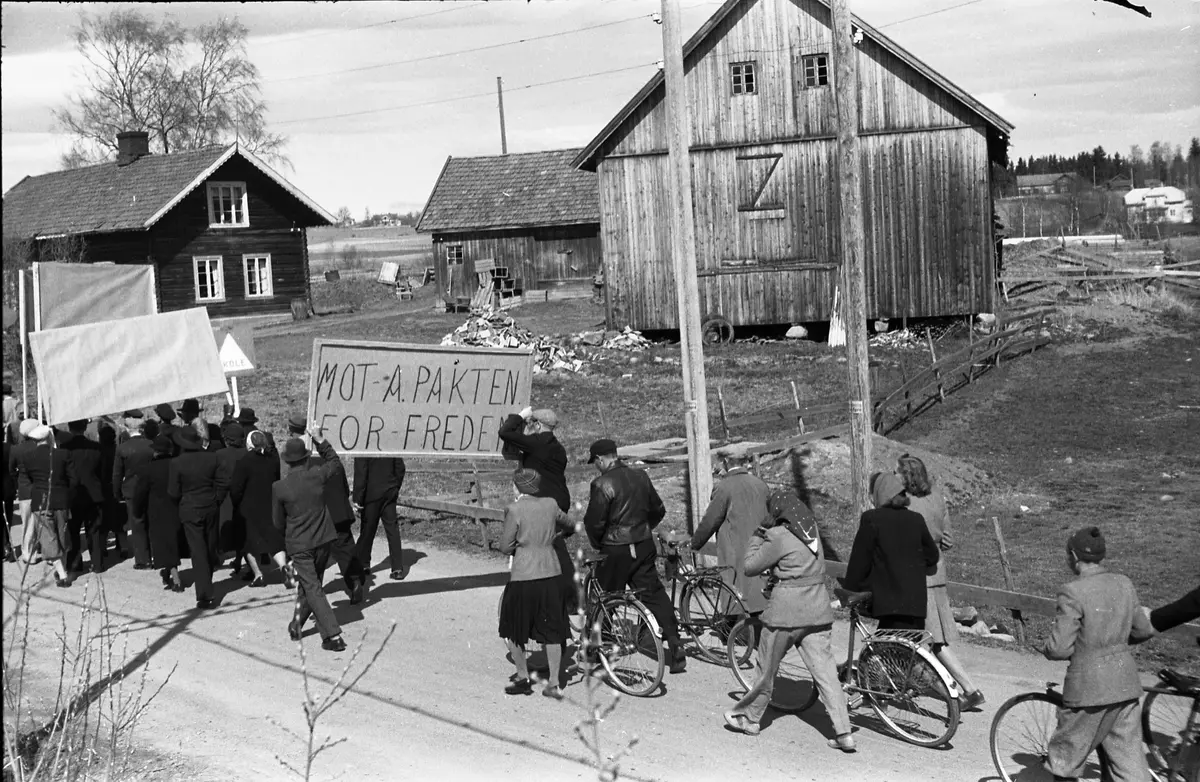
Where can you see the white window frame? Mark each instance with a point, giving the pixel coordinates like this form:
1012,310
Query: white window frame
215,220
216,282
268,290
744,77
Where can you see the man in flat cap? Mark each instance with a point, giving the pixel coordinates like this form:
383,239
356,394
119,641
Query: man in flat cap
1095,615
131,458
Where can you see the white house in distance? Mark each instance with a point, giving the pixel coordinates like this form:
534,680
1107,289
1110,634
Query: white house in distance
1158,205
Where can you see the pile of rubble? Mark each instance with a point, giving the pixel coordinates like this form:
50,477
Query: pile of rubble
611,340
500,331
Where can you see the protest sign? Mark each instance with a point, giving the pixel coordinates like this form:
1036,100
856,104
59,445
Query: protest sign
392,399
236,348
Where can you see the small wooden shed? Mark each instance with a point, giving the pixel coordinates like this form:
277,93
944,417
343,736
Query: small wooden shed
531,219
759,80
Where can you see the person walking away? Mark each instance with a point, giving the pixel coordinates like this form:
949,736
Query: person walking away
377,483
529,438
10,502
11,413
87,499
798,614
300,513
166,423
198,484
152,502
249,423
1094,617
19,467
231,524
892,553
250,491
737,510
131,456
623,508
112,511
532,606
939,617
52,479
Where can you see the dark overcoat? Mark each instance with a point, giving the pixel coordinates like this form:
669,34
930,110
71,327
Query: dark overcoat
250,491
152,500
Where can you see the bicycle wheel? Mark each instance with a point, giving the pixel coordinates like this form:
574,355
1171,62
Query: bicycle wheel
907,693
1020,738
708,609
1164,718
794,689
630,651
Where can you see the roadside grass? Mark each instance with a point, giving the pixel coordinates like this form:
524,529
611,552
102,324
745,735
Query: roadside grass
1151,298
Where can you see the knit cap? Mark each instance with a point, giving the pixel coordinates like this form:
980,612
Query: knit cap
1088,544
527,481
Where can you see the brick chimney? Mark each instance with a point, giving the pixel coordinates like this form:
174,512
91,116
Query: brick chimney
131,145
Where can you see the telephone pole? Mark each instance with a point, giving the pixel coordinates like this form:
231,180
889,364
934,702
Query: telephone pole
683,254
854,273
500,96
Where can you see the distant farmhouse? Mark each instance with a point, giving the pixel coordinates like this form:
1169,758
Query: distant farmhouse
531,218
223,230
1038,184
759,79
1119,184
1158,205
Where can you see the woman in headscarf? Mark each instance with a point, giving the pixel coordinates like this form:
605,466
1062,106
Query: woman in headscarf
533,605
250,490
939,617
787,547
152,502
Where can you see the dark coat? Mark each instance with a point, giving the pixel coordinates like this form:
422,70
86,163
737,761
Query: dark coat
10,475
198,483
541,452
737,509
132,455
250,490
152,500
298,501
233,523
52,476
892,554
14,465
337,492
89,468
623,507
377,479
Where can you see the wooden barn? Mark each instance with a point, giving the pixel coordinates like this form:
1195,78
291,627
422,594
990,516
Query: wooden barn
530,220
759,79
223,230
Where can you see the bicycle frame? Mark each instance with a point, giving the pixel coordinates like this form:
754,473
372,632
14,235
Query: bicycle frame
1188,752
915,640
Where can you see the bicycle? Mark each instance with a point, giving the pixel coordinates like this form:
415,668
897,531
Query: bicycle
1023,725
911,693
705,605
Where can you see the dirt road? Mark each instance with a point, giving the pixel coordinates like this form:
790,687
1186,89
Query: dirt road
433,706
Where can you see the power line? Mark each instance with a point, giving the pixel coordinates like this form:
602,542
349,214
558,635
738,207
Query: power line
931,13
460,51
457,7
489,93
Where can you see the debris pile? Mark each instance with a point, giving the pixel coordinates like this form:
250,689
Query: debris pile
611,340
1060,271
500,331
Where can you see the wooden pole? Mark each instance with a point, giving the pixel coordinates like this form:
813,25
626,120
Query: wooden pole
1008,577
854,275
683,254
23,326
500,97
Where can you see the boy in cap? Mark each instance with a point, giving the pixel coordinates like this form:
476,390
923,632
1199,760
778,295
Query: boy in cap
1093,620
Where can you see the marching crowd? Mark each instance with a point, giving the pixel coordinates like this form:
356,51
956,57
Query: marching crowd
176,486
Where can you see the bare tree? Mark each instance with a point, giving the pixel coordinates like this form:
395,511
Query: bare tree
140,77
343,216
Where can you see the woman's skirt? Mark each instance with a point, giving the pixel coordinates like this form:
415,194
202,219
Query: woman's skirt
232,529
534,610
262,537
52,533
167,544
939,616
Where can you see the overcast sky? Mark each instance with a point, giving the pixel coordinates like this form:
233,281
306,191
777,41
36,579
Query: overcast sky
1070,74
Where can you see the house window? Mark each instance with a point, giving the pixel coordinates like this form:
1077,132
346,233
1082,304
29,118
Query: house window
209,278
744,80
454,255
816,70
257,270
227,205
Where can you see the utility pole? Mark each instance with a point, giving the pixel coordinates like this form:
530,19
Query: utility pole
854,273
500,96
683,254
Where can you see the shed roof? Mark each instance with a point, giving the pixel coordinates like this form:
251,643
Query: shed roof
511,191
1000,127
107,197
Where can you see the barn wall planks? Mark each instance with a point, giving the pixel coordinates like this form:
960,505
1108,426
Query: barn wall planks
540,257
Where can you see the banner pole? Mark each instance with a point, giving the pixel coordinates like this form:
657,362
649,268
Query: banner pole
37,326
23,326
237,405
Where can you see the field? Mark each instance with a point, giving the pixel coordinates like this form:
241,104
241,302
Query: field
352,249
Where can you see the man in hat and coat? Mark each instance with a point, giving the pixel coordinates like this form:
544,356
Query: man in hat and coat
301,513
87,499
198,484
1094,618
52,479
130,459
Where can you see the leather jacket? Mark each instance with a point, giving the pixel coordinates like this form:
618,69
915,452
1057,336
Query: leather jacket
623,507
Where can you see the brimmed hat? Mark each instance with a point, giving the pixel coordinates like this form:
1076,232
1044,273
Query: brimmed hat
294,450
527,481
1088,544
188,439
163,445
40,432
190,408
546,417
28,425
602,448
165,412
887,485
134,414
247,416
298,421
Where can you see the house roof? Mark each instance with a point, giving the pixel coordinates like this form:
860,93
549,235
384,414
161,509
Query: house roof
1170,195
1041,180
587,158
511,191
107,197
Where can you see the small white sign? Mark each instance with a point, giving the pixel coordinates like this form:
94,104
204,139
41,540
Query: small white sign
233,358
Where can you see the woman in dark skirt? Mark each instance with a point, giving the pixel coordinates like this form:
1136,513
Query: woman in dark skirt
250,490
533,607
151,500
